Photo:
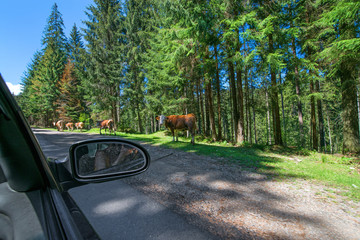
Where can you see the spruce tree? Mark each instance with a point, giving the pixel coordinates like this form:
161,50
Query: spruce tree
52,64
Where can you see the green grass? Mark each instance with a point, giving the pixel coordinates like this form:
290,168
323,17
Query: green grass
278,163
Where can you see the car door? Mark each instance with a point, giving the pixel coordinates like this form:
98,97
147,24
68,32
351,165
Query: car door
34,202
32,205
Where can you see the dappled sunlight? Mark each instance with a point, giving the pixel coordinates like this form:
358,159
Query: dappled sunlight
241,198
221,185
126,206
239,206
115,206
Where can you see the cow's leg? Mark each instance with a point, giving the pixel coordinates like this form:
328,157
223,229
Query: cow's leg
100,130
173,133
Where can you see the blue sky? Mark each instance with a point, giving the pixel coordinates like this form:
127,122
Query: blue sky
22,24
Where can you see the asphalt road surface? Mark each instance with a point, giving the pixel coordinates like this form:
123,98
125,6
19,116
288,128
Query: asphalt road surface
115,209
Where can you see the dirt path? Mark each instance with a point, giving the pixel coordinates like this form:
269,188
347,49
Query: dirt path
236,204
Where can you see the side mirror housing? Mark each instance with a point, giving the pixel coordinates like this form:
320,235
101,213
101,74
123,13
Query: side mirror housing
99,160
107,159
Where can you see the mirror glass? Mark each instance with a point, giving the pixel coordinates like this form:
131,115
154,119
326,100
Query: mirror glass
106,158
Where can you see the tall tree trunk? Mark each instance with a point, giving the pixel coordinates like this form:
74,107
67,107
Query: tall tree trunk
202,117
254,117
268,117
275,99
210,104
232,124
207,117
314,136
152,125
301,138
282,109
186,108
247,108
233,96
321,119
240,97
198,111
140,124
218,96
249,104
211,110
329,128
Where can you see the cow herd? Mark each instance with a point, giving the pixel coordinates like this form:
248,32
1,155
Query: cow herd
60,125
173,122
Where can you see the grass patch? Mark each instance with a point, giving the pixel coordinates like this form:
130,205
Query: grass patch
277,162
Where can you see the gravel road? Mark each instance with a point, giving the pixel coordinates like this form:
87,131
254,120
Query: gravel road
236,204
232,203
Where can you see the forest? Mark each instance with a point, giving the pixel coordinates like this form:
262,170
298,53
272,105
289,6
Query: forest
253,72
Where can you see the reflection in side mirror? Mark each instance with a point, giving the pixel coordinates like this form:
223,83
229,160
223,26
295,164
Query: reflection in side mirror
96,159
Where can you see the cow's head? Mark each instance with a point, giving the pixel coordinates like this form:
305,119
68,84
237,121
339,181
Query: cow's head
162,119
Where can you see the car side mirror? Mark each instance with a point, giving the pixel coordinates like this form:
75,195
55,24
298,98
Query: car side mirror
107,159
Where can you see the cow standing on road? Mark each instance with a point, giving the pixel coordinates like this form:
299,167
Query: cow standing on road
179,122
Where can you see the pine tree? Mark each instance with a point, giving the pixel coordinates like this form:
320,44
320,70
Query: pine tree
54,36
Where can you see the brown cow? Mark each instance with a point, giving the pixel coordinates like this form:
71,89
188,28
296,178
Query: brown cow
108,124
179,122
69,126
79,125
60,125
